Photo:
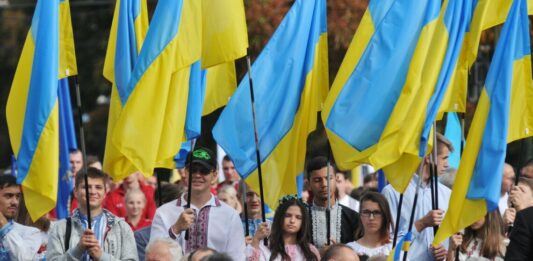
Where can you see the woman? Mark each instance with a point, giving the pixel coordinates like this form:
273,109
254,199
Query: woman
135,203
228,194
372,234
484,238
290,238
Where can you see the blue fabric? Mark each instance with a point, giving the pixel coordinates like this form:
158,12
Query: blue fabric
181,156
514,44
279,75
368,98
300,184
195,103
454,134
67,143
382,181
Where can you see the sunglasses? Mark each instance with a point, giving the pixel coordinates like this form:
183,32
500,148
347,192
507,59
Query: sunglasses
200,169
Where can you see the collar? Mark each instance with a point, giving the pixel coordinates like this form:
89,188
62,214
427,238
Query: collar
213,202
315,207
110,218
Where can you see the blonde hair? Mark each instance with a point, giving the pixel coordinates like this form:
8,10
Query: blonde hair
133,192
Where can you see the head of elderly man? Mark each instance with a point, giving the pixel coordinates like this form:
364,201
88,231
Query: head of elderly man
163,249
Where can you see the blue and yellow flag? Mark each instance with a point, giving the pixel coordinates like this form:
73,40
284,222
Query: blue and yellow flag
290,81
32,111
128,29
150,128
487,13
387,26
405,139
477,187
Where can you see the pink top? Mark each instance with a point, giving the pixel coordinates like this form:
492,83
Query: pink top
263,253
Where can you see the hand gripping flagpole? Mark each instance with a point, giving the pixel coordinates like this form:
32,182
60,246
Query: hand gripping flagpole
412,218
189,185
83,151
256,136
434,180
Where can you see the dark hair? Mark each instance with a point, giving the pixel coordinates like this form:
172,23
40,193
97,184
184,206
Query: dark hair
93,173
7,181
370,177
226,158
491,233
333,251
201,250
169,192
315,163
217,257
386,216
346,174
442,142
91,159
303,237
527,181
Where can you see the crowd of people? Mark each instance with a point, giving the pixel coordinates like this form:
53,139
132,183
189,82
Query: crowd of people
212,220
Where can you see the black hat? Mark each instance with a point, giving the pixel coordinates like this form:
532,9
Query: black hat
204,157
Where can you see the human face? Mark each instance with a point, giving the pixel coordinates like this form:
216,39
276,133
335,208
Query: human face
135,205
9,201
96,193
158,252
528,194
341,184
478,224
230,175
228,199
508,178
76,161
253,202
202,178
527,171
442,160
292,221
371,217
318,183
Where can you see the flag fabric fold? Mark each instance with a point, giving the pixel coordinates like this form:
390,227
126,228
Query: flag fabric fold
290,81
32,111
477,187
128,30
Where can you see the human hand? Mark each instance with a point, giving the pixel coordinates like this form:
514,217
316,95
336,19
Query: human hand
95,252
262,232
185,220
439,252
509,216
432,218
456,240
88,240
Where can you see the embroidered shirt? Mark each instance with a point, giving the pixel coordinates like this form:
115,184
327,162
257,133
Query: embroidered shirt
318,222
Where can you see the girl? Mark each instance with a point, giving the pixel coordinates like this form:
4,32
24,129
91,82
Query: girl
290,237
372,234
484,238
135,203
228,194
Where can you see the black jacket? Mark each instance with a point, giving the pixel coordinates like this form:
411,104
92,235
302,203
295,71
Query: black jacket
521,246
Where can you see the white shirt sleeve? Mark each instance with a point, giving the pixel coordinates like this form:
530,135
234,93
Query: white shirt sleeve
235,245
22,242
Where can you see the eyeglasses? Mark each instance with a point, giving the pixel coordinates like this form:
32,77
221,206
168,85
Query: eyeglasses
374,213
200,169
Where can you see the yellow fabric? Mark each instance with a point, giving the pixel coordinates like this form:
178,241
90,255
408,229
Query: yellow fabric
287,160
347,157
115,164
67,52
220,85
463,212
224,32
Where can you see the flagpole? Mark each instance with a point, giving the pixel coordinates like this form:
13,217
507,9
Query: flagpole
245,208
397,225
189,185
412,218
256,136
328,208
83,150
434,180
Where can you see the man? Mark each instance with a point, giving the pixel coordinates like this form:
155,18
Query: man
163,249
343,220
114,201
254,207
76,161
507,184
110,238
343,180
210,222
521,244
425,216
18,242
231,177
340,252
527,170
201,253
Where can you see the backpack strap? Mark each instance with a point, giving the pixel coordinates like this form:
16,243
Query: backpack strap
68,231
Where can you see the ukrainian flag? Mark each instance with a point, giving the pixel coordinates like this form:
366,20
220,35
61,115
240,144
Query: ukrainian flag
150,128
290,81
32,110
128,29
477,187
360,91
487,14
405,138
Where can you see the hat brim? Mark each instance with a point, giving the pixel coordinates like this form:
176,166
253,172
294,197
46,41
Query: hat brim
203,163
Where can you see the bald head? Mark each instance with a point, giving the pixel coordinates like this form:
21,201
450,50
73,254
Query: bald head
340,252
